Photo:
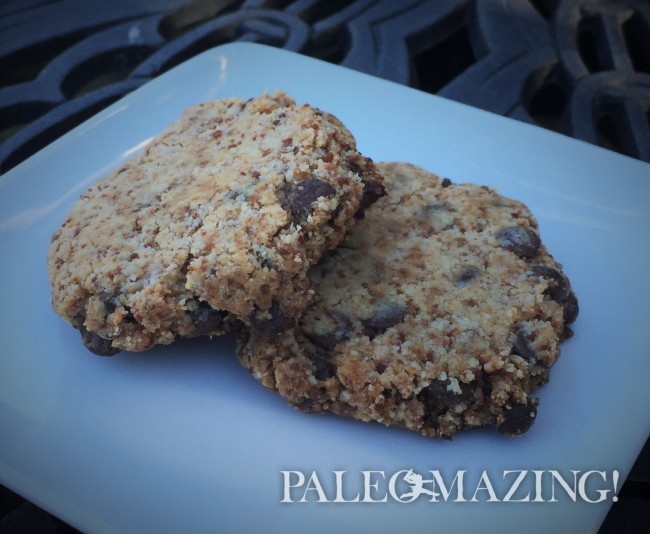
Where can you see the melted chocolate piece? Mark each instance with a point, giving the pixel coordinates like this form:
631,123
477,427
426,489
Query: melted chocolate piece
304,194
518,418
571,308
558,292
467,275
328,340
108,301
385,317
524,242
206,319
323,368
523,348
372,192
278,322
437,399
97,344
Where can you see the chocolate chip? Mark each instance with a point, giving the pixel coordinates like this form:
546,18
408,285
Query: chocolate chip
560,290
97,344
518,417
371,333
486,387
128,317
437,399
468,274
436,393
276,323
325,341
206,319
372,192
328,340
387,315
323,369
304,194
523,348
571,308
567,333
109,302
306,405
434,399
524,242
446,182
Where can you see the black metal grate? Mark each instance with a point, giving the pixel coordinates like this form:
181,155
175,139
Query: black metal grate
580,67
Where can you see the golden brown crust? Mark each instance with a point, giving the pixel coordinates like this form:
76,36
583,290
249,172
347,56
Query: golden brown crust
441,310
221,215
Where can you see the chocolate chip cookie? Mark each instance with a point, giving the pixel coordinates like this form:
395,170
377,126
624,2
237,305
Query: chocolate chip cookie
442,310
220,216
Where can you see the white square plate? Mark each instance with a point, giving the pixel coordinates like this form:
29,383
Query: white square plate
181,438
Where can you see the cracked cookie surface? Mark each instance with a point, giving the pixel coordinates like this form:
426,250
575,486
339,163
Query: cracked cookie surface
220,216
442,310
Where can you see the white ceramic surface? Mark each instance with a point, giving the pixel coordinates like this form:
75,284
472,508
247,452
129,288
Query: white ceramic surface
181,438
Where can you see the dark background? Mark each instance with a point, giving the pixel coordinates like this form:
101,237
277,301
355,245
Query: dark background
578,67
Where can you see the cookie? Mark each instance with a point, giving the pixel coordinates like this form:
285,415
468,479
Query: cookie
442,310
219,217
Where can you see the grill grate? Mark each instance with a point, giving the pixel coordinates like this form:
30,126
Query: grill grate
580,67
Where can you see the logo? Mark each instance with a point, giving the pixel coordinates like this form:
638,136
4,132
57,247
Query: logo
416,482
406,486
